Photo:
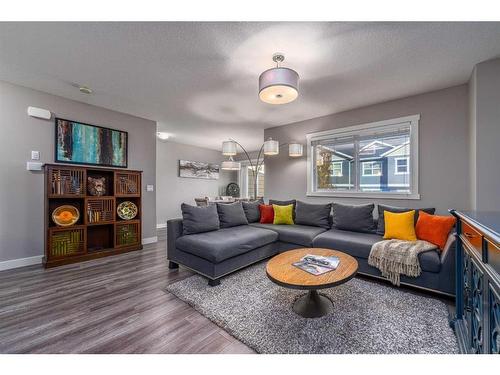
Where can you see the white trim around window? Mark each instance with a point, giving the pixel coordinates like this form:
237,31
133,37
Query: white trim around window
360,130
340,171
370,166
396,166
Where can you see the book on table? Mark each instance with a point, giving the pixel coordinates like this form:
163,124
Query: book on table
317,264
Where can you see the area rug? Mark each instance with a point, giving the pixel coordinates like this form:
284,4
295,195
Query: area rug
368,317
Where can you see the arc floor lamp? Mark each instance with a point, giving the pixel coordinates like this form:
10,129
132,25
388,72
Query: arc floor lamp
269,148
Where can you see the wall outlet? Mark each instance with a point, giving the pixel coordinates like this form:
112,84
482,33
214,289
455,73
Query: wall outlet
150,188
35,155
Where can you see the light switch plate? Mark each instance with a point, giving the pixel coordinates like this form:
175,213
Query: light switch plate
35,155
150,188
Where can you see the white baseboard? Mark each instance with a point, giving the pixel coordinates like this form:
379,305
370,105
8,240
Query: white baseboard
145,241
21,262
160,226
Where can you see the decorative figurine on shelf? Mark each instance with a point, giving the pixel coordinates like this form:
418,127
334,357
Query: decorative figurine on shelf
96,186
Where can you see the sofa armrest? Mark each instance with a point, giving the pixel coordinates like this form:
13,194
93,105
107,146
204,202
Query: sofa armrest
174,231
448,253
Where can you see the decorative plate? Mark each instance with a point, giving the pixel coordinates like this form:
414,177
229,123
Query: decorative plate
66,215
127,210
233,189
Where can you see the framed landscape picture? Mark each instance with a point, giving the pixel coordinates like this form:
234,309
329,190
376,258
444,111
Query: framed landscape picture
79,143
196,169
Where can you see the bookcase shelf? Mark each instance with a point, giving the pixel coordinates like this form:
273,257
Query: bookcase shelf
99,231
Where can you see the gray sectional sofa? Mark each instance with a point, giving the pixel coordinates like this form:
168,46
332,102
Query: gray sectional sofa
217,253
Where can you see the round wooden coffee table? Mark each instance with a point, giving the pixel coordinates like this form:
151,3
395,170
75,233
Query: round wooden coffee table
281,271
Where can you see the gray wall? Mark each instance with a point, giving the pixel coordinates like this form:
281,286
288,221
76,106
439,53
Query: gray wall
21,191
173,190
485,135
443,153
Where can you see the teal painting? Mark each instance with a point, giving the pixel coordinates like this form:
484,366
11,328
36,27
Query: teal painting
79,143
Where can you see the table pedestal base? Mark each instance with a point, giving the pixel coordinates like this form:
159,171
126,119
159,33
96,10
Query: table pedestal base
313,305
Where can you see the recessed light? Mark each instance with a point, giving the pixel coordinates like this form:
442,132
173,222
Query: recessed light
162,135
85,90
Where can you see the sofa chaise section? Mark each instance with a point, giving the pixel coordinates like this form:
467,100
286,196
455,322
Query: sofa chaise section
215,254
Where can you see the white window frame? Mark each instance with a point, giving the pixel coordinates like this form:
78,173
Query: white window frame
365,163
396,172
341,169
412,121
243,177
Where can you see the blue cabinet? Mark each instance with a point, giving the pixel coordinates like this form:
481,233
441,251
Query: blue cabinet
477,315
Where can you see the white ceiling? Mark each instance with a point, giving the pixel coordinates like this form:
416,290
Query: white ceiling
200,80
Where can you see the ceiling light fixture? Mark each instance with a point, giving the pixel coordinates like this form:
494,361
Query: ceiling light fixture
162,135
278,85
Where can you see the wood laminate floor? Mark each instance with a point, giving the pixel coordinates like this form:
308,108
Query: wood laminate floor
111,305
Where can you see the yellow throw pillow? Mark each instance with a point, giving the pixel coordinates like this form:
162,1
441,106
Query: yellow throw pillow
283,214
400,226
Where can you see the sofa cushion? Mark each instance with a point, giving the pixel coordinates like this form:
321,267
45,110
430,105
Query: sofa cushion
353,243
252,211
381,208
356,218
199,219
225,243
231,214
302,235
316,215
359,245
284,203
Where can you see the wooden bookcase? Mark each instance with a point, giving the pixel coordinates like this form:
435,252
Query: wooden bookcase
99,231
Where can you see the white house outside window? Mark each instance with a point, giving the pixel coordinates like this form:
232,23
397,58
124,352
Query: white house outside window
378,160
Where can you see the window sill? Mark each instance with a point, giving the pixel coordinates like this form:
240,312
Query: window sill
363,195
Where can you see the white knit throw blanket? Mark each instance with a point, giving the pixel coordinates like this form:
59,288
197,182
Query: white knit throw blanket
396,257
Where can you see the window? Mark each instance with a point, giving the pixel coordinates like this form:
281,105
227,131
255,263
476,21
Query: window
401,166
372,168
378,160
336,169
247,181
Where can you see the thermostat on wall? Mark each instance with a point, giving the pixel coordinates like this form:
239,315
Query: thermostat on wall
34,166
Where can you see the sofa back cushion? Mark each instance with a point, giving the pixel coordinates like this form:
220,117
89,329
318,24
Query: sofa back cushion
316,215
284,203
252,211
382,208
354,218
199,219
231,214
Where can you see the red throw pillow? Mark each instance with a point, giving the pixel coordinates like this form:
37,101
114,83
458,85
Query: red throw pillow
433,228
266,213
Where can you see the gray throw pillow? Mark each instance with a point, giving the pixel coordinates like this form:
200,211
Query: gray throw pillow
382,208
252,211
354,218
231,214
199,219
285,203
317,215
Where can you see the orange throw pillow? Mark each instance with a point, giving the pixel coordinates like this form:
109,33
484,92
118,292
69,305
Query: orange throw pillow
433,228
266,213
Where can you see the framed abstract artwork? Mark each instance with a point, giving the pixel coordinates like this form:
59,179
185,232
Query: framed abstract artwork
196,169
80,143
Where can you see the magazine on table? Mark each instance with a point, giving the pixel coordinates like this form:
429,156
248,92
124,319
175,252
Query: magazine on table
317,264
